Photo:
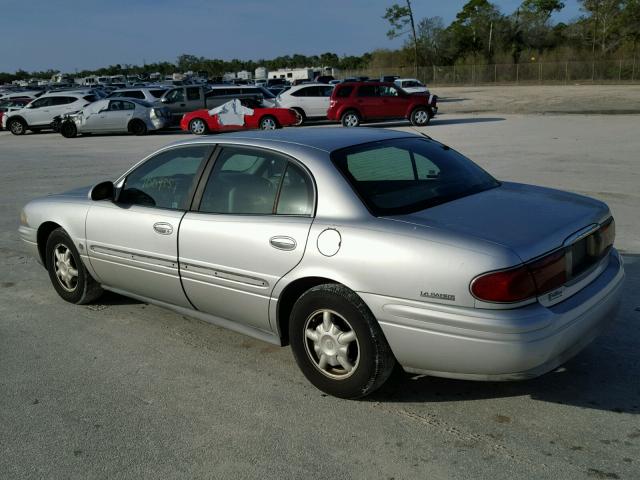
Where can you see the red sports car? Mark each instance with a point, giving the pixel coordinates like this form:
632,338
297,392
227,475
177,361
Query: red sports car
236,115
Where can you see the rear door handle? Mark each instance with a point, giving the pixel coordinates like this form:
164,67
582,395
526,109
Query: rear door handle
163,228
283,243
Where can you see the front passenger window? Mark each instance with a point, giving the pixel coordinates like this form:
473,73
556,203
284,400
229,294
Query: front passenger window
166,180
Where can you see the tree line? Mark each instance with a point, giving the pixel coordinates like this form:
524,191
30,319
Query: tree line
480,34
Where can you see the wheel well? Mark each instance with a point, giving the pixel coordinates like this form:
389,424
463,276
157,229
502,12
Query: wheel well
288,298
132,122
300,111
16,117
349,110
268,115
43,234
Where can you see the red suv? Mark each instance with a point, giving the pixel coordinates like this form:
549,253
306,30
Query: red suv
354,102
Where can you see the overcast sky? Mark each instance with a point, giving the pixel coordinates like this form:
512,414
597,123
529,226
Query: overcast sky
86,34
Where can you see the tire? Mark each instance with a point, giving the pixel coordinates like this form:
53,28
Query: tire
303,116
350,118
420,117
17,126
351,368
138,127
197,126
67,273
68,129
268,123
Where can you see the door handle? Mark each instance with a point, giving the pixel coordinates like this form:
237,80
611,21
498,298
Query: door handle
283,243
163,228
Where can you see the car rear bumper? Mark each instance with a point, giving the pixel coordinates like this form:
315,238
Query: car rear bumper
481,344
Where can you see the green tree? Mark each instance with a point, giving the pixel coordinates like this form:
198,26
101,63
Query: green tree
400,17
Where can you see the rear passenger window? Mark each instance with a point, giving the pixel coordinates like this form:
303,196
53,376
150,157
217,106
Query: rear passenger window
296,193
368,91
134,94
344,92
193,93
243,182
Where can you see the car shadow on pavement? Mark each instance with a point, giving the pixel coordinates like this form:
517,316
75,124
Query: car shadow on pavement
604,376
450,99
435,122
111,298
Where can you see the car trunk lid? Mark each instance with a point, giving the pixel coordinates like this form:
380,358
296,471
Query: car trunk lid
529,220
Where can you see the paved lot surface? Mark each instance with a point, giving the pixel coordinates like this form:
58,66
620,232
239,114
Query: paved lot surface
121,389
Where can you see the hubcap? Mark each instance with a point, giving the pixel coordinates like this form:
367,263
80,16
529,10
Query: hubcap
65,268
197,127
351,120
268,124
331,344
422,117
16,127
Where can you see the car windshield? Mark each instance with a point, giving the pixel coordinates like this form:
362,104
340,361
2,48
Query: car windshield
408,175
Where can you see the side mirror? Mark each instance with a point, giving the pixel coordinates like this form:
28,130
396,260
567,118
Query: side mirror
103,191
164,100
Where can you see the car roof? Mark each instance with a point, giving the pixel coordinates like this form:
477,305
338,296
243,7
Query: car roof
327,139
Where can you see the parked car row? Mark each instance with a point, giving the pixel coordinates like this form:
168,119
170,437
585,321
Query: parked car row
143,109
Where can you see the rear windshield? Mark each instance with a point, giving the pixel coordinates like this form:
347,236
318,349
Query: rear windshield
407,175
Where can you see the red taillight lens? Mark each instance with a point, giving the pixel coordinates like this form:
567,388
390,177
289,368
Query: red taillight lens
549,272
506,286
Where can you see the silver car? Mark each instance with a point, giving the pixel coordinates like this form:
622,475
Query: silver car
116,115
360,249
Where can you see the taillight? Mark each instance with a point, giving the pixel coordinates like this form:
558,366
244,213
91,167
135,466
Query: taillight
549,272
505,286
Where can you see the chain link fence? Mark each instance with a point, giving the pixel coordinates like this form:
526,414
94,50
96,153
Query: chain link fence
552,73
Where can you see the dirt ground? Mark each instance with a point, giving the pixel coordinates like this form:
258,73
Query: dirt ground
540,99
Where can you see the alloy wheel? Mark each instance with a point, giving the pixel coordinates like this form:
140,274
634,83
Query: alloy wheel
65,268
198,127
331,344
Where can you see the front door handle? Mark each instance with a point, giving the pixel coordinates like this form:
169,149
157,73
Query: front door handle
163,228
283,243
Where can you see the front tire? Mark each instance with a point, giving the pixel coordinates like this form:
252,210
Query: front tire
420,117
67,273
338,344
350,119
17,126
197,126
68,129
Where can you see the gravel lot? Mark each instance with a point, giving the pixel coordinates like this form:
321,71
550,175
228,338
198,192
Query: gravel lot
544,99
122,389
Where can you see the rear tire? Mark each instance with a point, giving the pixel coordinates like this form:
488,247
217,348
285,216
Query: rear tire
17,126
301,114
268,123
197,126
350,119
68,129
138,127
67,273
337,342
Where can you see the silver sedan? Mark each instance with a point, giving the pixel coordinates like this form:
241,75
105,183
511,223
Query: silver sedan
359,249
116,115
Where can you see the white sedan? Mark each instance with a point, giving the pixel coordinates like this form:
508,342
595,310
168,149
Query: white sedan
116,115
411,85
